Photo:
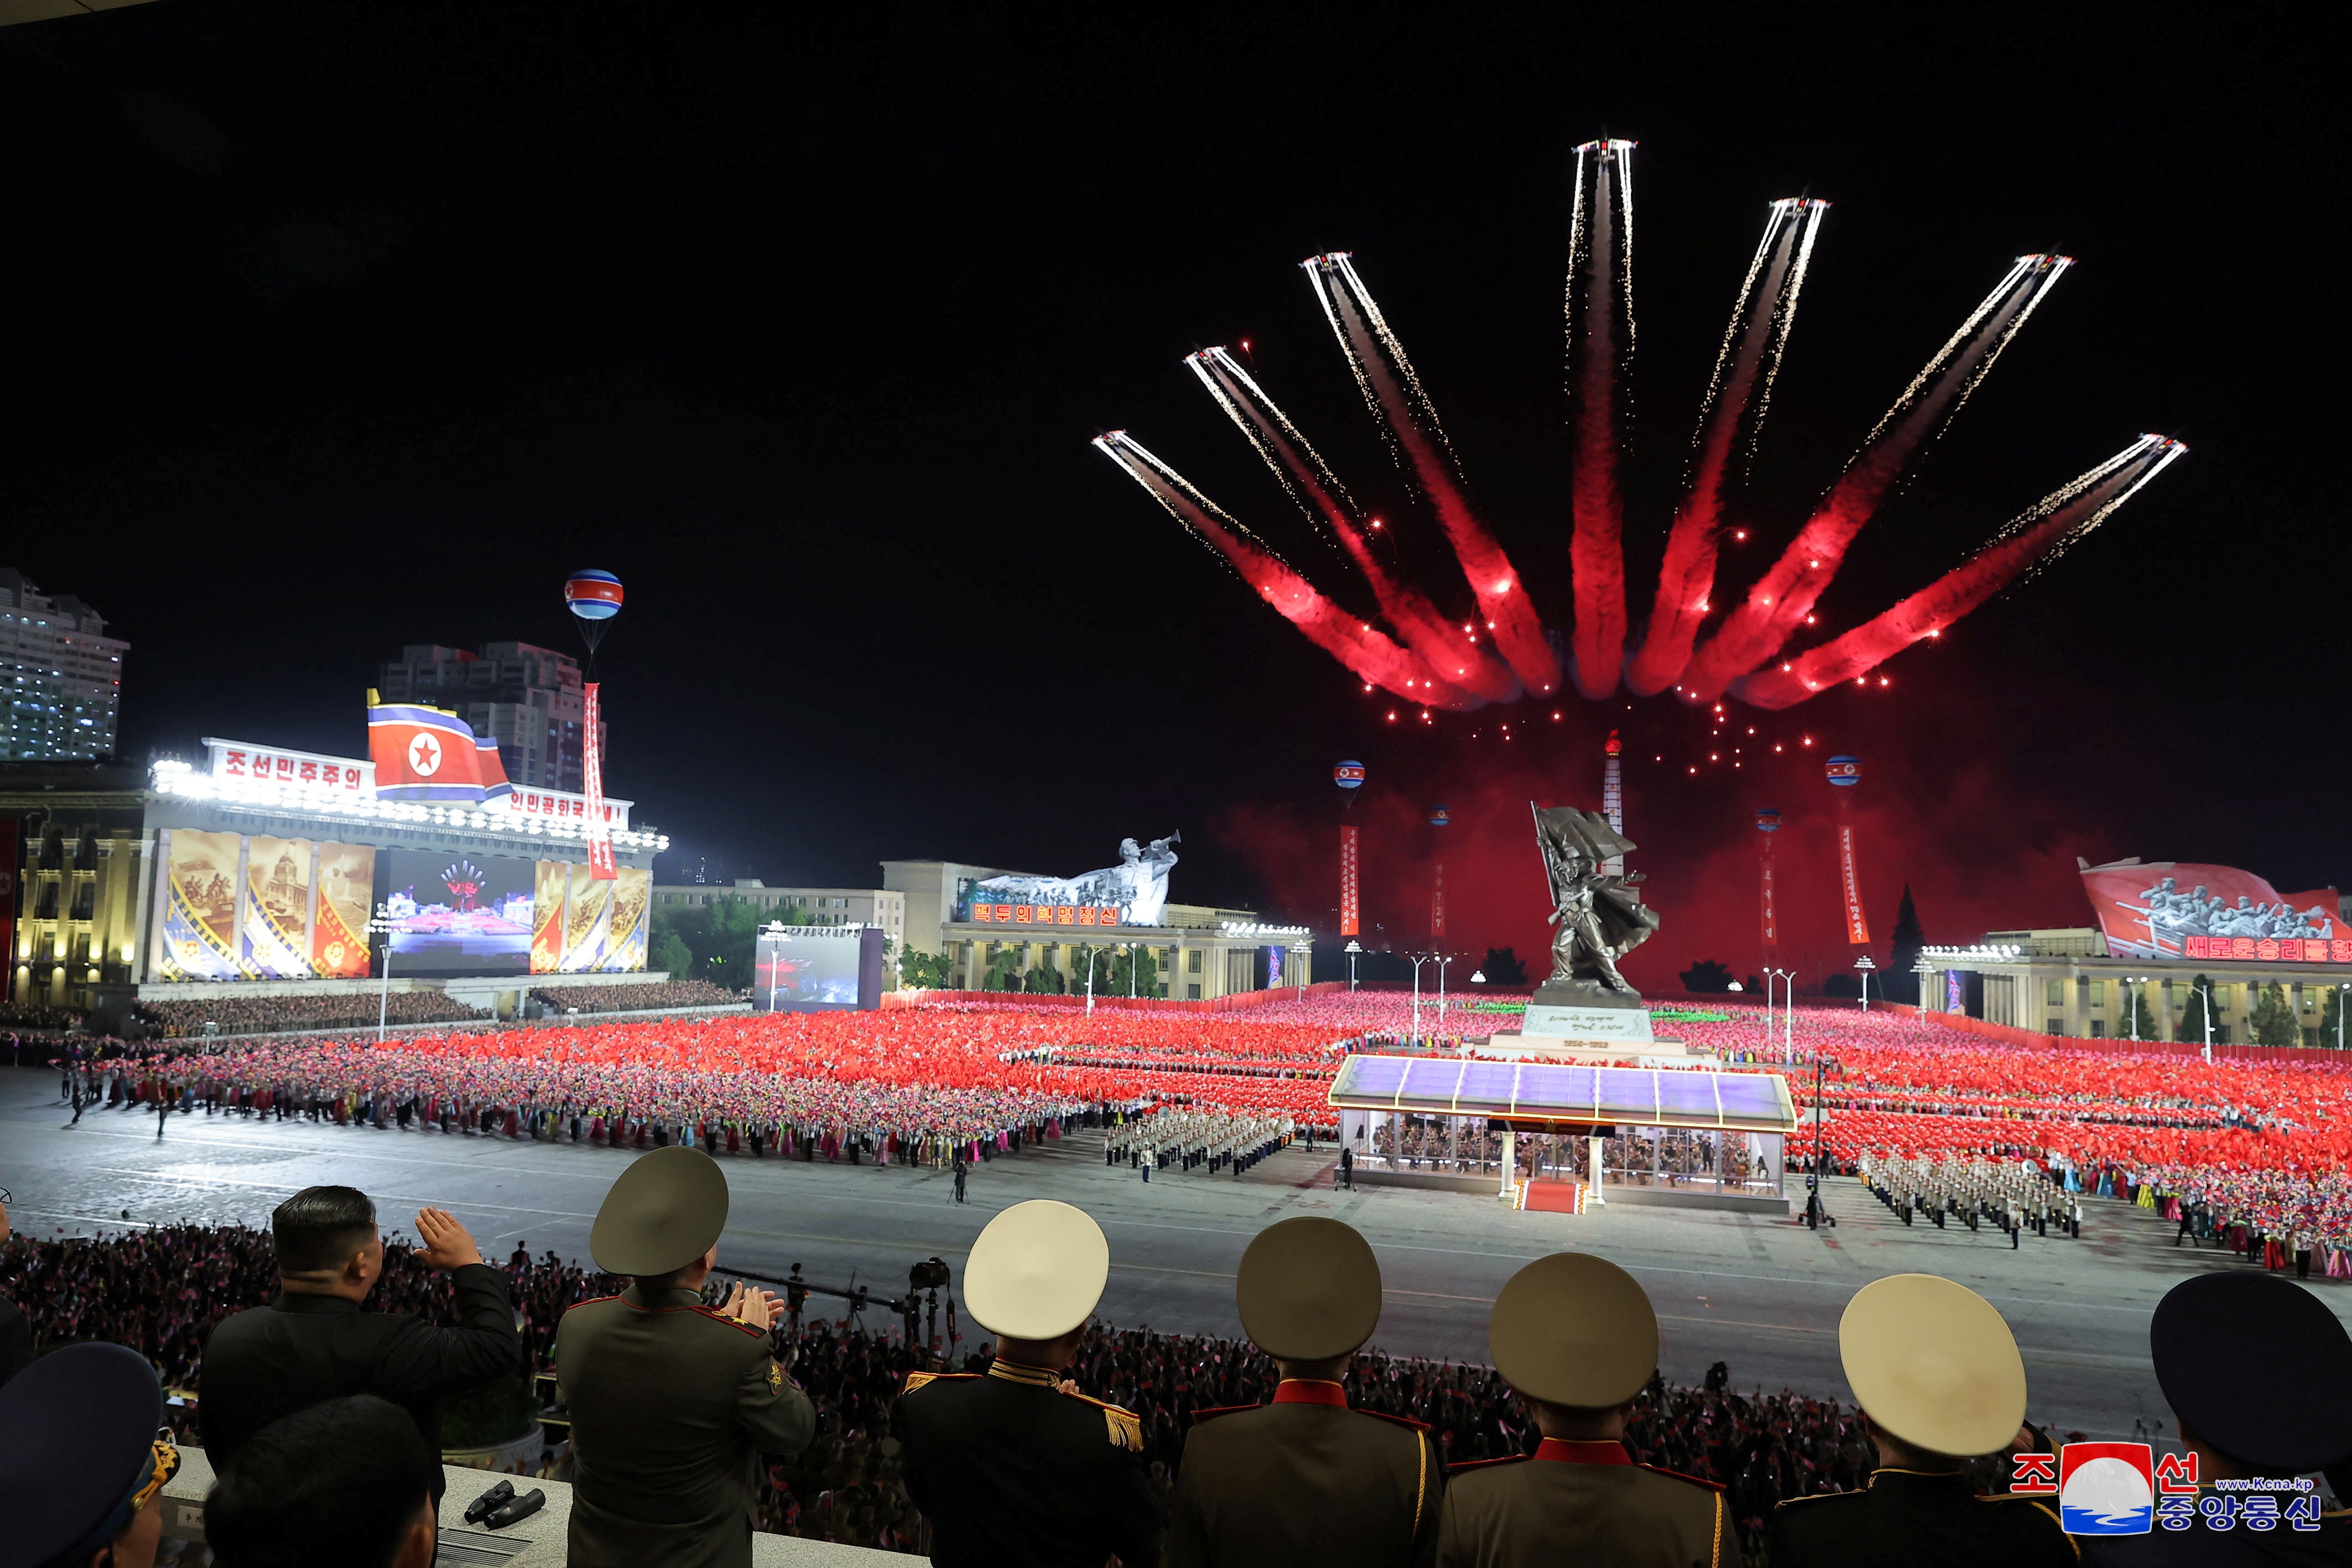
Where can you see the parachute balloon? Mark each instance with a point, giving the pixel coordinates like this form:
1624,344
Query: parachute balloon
594,597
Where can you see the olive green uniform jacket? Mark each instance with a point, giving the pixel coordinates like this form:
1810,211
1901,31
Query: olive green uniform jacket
1306,1479
1583,1503
671,1407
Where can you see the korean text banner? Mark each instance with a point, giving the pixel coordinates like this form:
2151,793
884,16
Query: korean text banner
1350,901
1857,924
2180,909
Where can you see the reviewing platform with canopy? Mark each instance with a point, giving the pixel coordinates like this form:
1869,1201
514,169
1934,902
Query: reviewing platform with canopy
1660,1134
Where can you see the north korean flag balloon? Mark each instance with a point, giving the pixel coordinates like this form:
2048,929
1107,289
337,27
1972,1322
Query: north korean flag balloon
594,597
1768,821
1439,816
1845,772
1349,775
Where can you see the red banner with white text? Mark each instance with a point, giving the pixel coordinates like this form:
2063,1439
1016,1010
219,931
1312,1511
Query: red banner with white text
1348,905
1857,924
592,775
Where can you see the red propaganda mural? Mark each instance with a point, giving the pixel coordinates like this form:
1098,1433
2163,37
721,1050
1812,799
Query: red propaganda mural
2179,909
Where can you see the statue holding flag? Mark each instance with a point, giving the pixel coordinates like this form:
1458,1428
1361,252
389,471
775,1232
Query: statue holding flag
1599,918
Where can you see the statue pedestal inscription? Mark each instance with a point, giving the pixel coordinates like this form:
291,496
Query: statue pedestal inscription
1598,1025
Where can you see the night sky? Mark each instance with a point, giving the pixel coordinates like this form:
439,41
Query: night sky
341,328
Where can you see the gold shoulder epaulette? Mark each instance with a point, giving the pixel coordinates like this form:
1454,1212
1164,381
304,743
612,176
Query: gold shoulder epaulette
1126,1425
1813,1497
916,1379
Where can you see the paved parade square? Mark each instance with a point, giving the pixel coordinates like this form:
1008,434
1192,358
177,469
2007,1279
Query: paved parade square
1762,1295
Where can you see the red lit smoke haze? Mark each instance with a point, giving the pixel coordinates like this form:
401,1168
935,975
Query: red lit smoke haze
1939,817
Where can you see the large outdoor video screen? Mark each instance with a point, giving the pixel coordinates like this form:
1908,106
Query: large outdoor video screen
803,970
458,914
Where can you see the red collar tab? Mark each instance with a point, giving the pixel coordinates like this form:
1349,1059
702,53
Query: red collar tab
1310,1390
1570,1453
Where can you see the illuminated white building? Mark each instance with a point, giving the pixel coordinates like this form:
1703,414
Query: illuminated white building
61,675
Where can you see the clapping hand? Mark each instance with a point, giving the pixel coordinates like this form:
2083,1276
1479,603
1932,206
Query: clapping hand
750,1306
448,1246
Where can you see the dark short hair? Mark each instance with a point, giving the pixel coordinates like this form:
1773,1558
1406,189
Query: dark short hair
320,1227
338,1482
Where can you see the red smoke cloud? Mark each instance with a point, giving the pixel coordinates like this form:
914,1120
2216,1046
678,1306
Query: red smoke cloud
1929,813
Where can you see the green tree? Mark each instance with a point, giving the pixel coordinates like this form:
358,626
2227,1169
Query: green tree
924,971
1003,970
2273,1022
670,953
1133,973
2133,1019
2192,1020
1707,975
729,940
1044,979
1900,982
2332,1020
1504,968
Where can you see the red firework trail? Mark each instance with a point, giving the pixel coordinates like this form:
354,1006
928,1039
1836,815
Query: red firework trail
1600,269
1743,658
1394,392
1743,367
2057,522
1777,606
1424,627
1370,655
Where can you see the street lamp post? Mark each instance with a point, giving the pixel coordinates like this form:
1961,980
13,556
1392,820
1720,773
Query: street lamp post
2340,989
1092,954
1443,960
2209,1023
1921,967
383,926
1788,978
1865,965
1353,948
1418,960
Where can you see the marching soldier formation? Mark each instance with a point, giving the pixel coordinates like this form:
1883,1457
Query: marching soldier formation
1211,1141
2007,1197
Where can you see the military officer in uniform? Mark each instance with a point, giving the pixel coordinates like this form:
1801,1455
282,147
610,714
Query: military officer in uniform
83,1460
672,1402
2259,1375
1940,1380
1015,1464
1577,1338
1306,1479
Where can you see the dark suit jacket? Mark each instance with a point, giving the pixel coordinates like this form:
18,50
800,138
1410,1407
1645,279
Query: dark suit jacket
16,1340
1306,1479
268,1362
1011,1469
1913,1519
